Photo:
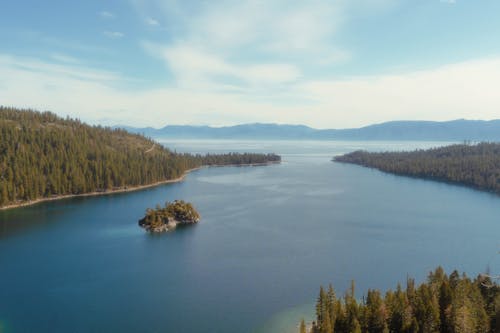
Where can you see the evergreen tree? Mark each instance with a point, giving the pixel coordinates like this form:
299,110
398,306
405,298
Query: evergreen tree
4,196
332,300
302,326
375,312
327,325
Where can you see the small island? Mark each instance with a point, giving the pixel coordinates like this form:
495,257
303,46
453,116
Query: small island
167,218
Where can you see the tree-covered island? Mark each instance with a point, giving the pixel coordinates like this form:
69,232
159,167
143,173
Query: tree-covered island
476,166
169,217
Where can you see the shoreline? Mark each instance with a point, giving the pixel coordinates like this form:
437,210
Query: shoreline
129,188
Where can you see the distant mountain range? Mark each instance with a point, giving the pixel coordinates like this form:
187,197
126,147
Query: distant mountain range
455,130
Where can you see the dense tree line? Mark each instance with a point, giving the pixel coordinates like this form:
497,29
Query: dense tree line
43,155
476,165
238,158
443,304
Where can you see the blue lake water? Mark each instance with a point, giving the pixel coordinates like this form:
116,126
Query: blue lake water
269,236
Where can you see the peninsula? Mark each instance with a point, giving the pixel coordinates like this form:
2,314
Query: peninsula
471,165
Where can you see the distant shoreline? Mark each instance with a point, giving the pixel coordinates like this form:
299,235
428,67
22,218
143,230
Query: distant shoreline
129,188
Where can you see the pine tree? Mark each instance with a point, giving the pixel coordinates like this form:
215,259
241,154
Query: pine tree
327,325
332,300
375,312
321,310
302,326
445,298
495,323
355,326
4,196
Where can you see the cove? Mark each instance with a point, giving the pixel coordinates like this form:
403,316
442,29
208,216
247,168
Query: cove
269,236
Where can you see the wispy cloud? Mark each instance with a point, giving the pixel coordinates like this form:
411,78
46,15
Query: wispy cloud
69,69
113,34
467,88
64,58
194,68
252,61
450,2
246,46
276,29
106,15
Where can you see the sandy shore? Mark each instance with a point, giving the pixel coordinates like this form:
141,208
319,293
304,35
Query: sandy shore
124,189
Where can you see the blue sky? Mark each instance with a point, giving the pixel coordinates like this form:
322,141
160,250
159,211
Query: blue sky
323,63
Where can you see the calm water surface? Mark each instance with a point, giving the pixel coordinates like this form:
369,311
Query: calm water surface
269,236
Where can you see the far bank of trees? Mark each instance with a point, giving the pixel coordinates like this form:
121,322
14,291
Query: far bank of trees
443,304
476,166
43,155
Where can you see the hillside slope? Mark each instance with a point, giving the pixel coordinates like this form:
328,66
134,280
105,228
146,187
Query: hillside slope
43,155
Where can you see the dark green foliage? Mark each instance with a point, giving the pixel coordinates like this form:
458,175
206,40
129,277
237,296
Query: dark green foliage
43,155
476,166
442,304
178,211
238,159
375,313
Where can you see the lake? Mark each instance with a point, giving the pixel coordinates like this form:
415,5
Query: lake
268,238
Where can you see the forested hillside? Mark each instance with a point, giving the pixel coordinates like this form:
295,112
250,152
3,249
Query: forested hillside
43,155
447,304
475,166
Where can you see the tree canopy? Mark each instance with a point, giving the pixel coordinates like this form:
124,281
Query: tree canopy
442,304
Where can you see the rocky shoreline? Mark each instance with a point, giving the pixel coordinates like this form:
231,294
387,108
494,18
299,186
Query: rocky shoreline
126,188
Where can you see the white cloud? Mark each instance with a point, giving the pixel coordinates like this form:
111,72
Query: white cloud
193,68
113,34
253,48
247,45
252,61
451,2
462,90
277,29
106,15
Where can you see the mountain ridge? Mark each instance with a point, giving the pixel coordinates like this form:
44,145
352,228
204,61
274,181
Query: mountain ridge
453,130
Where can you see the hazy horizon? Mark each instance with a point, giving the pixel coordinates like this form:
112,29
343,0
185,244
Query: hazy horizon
314,128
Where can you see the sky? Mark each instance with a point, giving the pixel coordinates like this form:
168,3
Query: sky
321,63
